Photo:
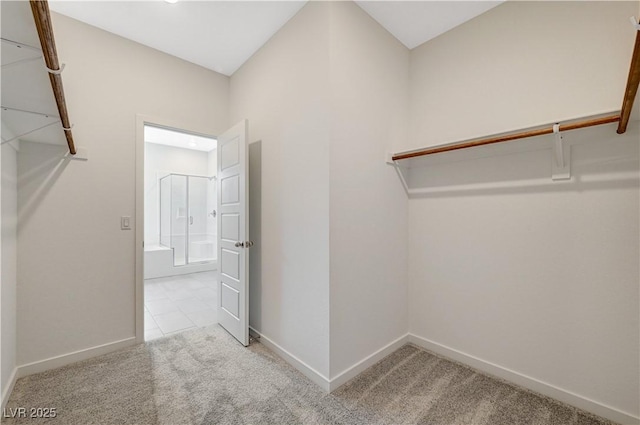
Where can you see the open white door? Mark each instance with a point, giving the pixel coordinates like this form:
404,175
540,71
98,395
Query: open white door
233,230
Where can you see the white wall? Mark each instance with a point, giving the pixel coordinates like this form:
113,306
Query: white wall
516,274
76,266
369,72
283,92
537,277
159,161
519,65
8,266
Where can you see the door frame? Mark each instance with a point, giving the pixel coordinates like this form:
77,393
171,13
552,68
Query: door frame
138,223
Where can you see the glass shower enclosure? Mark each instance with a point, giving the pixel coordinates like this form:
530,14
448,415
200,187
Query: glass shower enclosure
188,217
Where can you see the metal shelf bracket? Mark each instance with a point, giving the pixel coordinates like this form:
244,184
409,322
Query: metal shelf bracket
561,158
400,170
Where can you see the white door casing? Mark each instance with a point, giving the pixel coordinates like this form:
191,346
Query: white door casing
233,231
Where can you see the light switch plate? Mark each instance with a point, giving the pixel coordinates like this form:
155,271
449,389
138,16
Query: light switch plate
125,222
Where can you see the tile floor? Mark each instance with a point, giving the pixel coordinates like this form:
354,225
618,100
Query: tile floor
177,303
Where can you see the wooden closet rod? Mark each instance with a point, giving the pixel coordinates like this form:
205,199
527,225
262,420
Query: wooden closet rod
632,86
508,137
623,118
42,17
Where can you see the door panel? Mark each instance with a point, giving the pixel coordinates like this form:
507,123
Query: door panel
230,188
229,154
233,231
230,300
231,227
230,264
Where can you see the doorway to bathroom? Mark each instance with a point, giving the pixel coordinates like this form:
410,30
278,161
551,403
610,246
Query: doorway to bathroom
180,231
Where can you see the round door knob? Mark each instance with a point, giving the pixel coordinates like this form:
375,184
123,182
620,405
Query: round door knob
239,244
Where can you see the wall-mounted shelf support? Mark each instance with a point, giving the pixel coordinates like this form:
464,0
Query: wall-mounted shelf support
400,170
561,160
56,71
558,148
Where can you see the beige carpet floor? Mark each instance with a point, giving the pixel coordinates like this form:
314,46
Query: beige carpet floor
206,377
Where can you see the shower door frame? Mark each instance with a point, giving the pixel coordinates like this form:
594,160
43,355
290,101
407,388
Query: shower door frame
187,234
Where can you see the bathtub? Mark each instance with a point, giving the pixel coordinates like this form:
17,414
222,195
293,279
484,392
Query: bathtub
158,260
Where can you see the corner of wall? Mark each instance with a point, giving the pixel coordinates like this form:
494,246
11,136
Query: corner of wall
368,206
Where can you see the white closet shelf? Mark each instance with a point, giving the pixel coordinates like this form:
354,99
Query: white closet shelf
30,71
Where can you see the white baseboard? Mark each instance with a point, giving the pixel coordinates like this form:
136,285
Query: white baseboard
6,392
76,356
353,371
315,376
344,376
528,382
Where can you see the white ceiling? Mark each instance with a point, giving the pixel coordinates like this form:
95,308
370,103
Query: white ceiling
414,22
222,35
178,139
218,35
